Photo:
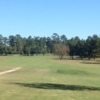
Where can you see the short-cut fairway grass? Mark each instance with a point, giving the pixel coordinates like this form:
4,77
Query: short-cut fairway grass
48,78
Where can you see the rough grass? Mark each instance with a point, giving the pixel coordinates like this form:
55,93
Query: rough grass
48,78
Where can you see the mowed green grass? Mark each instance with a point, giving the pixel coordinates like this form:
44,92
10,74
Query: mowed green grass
48,78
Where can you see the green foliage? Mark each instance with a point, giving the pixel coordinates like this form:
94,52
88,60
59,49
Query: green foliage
89,48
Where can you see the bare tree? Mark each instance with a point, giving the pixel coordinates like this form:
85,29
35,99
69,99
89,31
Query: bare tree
61,50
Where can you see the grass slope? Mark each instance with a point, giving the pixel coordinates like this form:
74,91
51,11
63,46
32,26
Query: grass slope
48,78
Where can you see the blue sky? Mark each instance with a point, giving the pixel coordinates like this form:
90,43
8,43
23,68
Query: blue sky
45,17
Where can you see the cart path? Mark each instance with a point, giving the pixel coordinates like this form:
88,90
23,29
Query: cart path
9,71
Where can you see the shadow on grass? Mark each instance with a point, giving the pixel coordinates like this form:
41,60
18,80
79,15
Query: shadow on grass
98,60
84,61
90,62
67,58
58,86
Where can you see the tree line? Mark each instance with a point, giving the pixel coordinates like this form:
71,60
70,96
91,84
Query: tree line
84,48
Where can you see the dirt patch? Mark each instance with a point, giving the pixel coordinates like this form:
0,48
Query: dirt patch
9,71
